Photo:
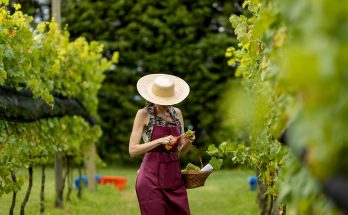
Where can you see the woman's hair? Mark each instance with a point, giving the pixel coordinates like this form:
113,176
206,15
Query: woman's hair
148,103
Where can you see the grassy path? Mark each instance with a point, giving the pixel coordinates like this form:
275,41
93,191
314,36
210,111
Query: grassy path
226,192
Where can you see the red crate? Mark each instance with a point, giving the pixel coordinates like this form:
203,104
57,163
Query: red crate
118,181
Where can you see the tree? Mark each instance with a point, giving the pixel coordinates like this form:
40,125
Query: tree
39,9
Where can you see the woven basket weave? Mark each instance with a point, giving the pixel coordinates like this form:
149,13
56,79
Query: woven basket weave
194,179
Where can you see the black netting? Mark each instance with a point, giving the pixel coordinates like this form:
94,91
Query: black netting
20,106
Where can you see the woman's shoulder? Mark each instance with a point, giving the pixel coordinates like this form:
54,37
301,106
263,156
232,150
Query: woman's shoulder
142,113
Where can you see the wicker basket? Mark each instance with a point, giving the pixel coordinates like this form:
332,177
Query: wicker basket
194,179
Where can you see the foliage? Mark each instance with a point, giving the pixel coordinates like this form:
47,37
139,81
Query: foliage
184,38
252,108
319,128
288,51
28,144
38,9
43,60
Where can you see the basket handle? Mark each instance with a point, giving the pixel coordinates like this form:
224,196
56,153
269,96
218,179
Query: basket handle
198,154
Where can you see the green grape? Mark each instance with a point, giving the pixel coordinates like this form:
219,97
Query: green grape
191,167
189,134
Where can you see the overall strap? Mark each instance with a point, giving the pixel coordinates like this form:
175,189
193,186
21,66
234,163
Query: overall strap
175,118
152,121
154,112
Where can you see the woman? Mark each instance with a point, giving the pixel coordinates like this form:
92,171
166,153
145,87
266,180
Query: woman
159,186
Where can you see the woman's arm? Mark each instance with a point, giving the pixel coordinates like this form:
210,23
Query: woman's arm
135,148
185,143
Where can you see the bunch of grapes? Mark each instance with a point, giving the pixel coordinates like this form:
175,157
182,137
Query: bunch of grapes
189,134
191,167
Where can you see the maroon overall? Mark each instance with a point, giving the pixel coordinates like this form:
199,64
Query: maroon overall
159,185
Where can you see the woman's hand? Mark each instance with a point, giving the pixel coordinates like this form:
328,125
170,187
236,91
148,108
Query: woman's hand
166,140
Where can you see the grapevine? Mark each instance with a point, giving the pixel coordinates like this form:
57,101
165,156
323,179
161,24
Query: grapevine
282,67
44,60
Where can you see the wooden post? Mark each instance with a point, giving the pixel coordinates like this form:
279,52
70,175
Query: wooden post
56,11
58,167
91,169
58,162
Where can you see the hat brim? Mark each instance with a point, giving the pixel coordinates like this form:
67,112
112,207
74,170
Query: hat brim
181,89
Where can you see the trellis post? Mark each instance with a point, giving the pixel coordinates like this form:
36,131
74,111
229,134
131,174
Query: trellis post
91,169
58,162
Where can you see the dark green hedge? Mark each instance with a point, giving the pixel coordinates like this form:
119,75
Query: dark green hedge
186,38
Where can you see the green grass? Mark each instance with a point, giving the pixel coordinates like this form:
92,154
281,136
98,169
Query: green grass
225,192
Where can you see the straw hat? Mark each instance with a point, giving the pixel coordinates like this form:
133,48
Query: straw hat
163,89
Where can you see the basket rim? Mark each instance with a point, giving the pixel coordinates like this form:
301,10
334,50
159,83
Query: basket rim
192,172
